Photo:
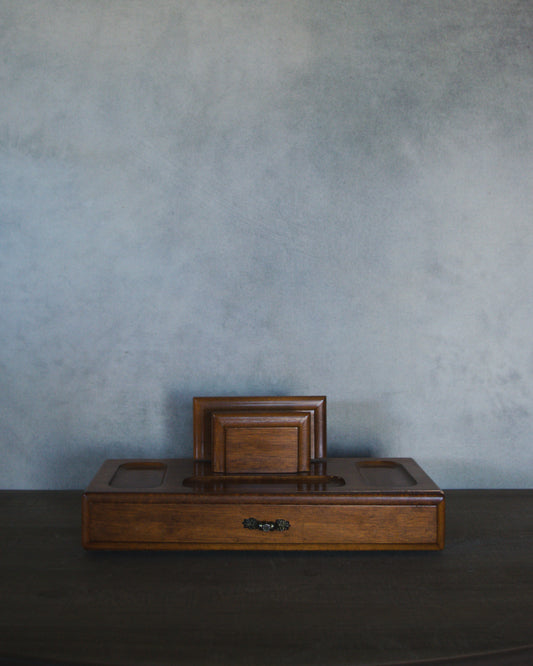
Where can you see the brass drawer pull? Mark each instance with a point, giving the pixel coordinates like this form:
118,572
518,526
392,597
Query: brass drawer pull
266,525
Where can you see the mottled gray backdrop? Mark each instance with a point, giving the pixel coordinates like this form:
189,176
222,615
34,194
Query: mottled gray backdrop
246,197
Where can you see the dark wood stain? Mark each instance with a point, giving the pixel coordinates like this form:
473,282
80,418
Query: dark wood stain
188,511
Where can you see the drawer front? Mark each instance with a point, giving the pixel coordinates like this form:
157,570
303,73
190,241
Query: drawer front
221,525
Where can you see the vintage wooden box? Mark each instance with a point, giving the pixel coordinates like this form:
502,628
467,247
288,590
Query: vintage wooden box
260,480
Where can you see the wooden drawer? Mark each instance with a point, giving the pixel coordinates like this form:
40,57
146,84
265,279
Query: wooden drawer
220,526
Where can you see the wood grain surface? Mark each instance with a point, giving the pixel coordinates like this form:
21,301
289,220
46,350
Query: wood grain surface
261,442
203,408
366,504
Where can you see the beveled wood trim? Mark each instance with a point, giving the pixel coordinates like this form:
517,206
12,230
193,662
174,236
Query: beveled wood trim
133,545
204,406
293,456
441,523
380,498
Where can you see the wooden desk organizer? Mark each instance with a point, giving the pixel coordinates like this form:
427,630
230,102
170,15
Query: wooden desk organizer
260,480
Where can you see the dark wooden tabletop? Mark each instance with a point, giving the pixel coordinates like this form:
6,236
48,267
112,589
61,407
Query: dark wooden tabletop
62,605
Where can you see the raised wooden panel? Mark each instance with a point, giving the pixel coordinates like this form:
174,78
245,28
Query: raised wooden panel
208,526
261,442
203,408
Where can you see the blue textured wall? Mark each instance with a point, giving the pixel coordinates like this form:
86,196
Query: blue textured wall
251,197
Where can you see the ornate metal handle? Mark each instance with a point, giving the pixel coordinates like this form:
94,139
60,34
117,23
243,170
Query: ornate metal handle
266,525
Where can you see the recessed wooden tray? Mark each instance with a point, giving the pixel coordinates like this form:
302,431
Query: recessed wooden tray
385,474
139,475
